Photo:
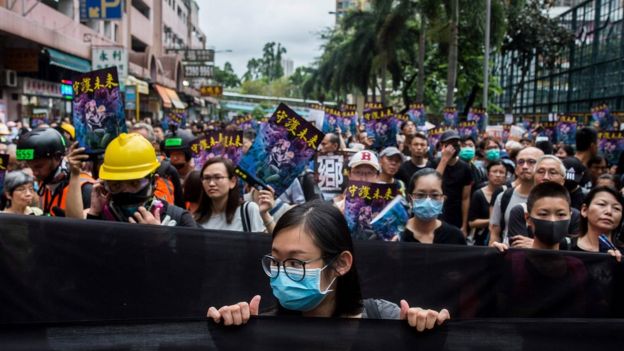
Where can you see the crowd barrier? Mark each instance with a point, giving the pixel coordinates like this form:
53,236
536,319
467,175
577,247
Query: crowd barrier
66,283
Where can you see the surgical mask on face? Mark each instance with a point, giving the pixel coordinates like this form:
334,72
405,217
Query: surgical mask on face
467,153
426,209
550,232
304,295
493,155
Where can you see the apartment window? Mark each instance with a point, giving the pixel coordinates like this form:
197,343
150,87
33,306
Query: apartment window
142,7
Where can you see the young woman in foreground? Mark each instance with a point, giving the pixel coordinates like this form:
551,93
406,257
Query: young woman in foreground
312,273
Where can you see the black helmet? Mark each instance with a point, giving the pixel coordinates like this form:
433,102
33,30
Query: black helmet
40,143
179,140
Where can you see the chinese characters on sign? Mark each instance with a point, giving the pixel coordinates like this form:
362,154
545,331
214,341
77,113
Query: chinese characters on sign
197,71
211,90
194,55
217,144
330,169
104,57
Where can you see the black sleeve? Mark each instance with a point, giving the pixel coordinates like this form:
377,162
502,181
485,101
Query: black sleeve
517,223
402,173
86,195
448,234
468,179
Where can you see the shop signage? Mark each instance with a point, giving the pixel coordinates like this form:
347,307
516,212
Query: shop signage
38,87
110,56
211,90
194,55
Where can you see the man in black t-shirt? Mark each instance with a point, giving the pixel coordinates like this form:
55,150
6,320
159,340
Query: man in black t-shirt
418,146
456,182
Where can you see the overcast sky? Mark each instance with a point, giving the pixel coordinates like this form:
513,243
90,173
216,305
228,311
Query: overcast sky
244,26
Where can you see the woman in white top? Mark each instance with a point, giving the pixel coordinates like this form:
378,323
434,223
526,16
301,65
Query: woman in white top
220,207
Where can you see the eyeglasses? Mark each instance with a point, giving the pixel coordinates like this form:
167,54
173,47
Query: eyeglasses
530,162
129,186
551,172
25,189
216,179
364,174
432,196
294,268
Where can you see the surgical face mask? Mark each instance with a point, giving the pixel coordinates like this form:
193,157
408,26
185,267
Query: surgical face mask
467,153
426,209
493,155
304,295
550,232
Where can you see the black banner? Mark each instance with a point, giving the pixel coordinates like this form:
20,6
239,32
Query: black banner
57,273
293,333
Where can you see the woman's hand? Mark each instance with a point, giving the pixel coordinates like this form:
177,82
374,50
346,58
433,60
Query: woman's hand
521,242
500,246
617,254
265,199
235,314
422,319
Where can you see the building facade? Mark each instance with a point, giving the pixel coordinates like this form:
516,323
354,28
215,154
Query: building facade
43,43
591,70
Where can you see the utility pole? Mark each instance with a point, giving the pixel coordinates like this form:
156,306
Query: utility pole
486,59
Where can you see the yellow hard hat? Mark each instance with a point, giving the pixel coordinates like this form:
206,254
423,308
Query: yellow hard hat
69,129
127,157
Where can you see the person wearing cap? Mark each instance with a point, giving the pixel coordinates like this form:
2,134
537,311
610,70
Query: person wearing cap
363,167
125,191
19,193
418,146
43,149
575,171
456,181
391,159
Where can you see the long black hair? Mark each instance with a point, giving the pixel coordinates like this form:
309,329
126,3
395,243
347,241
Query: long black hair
204,211
330,232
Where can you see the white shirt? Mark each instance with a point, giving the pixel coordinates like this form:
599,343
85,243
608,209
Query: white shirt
218,221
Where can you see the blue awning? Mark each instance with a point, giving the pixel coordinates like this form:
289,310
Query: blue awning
68,61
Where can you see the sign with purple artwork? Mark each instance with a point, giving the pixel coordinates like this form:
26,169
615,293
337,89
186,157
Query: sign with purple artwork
217,144
363,202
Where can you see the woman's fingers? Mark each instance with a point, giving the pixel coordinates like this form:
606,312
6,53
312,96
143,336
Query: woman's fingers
443,316
617,254
237,317
214,314
226,314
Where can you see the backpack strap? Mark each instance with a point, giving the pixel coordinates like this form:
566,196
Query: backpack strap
505,199
245,216
372,311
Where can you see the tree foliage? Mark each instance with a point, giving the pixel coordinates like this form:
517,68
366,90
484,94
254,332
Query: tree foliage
226,76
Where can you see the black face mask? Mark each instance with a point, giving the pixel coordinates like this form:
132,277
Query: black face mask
133,199
179,166
550,232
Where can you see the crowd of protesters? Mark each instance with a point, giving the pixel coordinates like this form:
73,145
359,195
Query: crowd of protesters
462,191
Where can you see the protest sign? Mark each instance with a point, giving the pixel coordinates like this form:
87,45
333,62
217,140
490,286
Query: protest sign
468,129
389,224
450,117
611,145
316,115
364,201
174,119
495,132
478,115
506,132
4,166
98,109
602,119
245,122
417,114
217,144
331,171
38,118
566,130
434,136
348,119
330,120
382,126
282,149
